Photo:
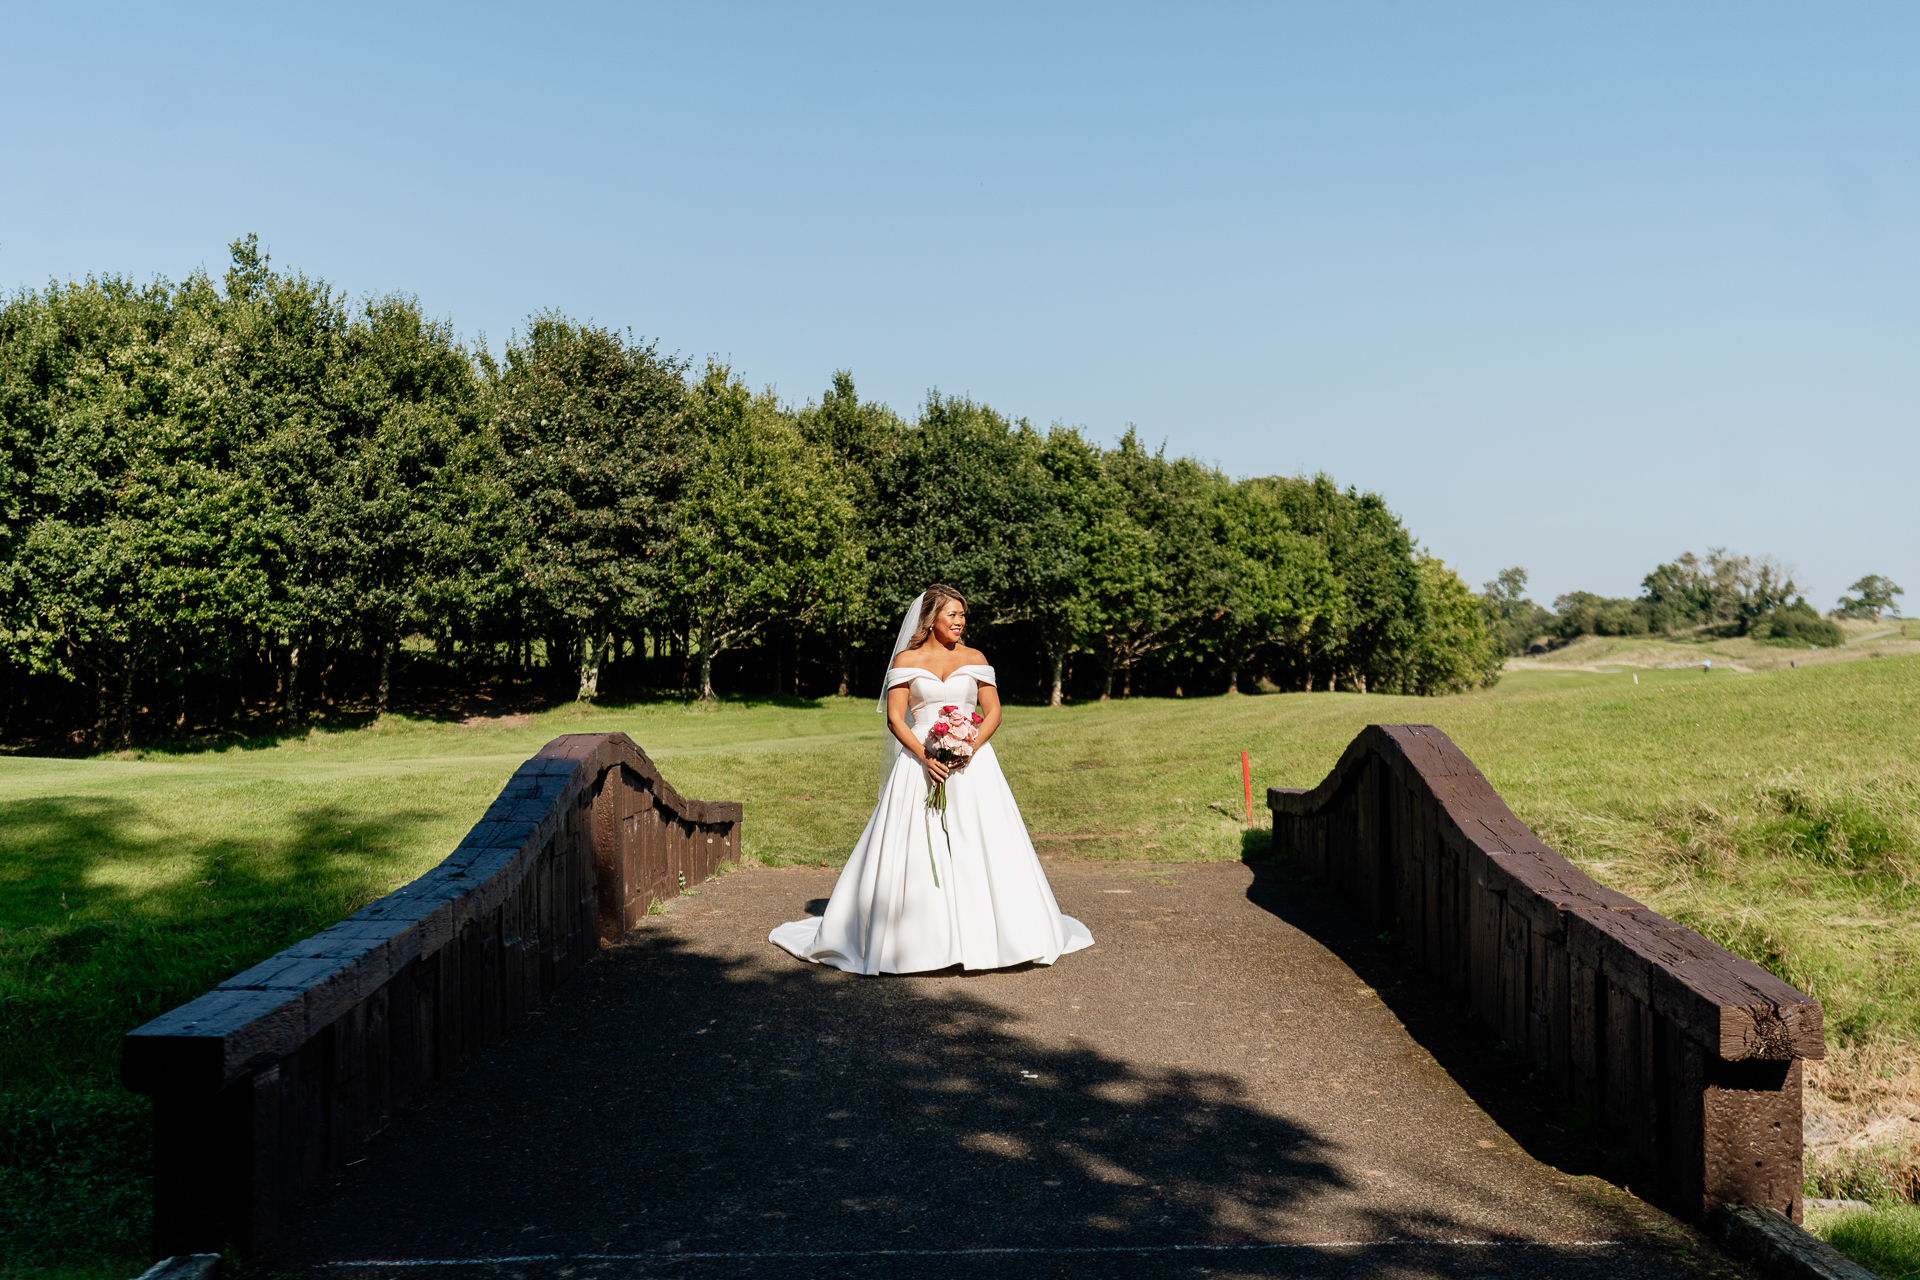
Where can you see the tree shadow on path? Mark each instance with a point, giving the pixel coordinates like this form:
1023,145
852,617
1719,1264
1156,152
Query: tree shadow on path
684,1112
1501,1080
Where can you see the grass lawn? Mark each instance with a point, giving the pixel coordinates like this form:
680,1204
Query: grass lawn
1777,811
1885,1240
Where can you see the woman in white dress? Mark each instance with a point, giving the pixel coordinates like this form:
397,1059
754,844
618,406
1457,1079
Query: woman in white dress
991,906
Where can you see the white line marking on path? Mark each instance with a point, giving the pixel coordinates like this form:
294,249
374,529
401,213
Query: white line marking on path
989,1250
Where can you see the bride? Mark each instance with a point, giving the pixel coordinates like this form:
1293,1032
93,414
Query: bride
992,906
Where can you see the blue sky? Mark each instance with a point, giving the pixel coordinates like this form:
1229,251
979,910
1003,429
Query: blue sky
1574,288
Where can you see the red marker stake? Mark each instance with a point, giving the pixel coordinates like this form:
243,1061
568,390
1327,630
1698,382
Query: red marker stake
1246,781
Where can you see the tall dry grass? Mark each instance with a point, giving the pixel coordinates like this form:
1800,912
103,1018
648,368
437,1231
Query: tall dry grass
1818,878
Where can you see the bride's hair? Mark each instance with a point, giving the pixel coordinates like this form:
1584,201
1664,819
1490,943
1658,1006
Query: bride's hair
930,605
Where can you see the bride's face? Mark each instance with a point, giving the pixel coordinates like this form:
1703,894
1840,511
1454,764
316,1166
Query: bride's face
950,622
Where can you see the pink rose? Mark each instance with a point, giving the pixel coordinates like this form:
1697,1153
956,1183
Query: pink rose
978,718
940,731
947,711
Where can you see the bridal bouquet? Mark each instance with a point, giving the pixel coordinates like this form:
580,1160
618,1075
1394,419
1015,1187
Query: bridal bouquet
950,741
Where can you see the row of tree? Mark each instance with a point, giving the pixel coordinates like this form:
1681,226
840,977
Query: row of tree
1723,594
240,499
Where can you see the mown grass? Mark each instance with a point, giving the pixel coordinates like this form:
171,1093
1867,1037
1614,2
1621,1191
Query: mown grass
1778,812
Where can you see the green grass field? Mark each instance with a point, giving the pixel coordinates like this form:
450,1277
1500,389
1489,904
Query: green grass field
1777,811
1885,1240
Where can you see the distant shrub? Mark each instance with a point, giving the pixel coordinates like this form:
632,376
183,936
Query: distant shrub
1797,624
1513,621
1582,613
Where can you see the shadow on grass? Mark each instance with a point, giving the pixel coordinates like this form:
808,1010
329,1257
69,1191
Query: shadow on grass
262,728
676,1102
75,1179
108,919
106,922
1502,1081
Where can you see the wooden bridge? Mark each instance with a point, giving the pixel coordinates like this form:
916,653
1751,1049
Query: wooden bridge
1420,1043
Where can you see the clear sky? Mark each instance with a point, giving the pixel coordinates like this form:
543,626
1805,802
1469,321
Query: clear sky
1575,287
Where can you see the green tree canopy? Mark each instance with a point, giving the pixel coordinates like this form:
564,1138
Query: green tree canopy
1872,596
597,439
227,501
762,529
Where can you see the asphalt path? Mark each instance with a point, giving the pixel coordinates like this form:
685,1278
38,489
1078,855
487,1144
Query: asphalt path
1233,1082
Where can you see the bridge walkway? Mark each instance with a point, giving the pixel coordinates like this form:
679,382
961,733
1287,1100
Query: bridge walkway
1232,1083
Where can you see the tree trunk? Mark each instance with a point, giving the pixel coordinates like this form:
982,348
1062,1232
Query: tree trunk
846,684
1059,662
1233,679
589,669
706,676
126,703
180,715
1360,681
386,675
1106,685
292,713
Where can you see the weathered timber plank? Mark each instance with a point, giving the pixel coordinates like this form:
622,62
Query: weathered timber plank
1623,1092
1586,1033
1483,942
403,1060
210,1041
266,1130
450,1008
609,864
1751,1134
379,1059
308,1114
1547,1002
1374,844
347,1088
1516,965
426,987
1732,1006
1409,869
1682,1116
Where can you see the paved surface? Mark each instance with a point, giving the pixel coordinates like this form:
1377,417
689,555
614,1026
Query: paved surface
1230,1083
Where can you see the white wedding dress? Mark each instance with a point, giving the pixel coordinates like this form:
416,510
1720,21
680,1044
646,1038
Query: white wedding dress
993,906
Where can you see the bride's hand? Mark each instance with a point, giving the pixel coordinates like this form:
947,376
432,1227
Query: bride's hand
936,772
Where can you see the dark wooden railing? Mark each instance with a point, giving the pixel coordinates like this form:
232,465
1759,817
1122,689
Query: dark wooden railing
1687,1052
275,1079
